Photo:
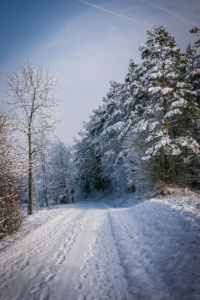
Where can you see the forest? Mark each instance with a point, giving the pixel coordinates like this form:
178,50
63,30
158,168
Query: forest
143,137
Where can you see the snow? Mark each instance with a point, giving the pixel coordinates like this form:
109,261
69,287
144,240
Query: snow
129,101
117,113
114,128
153,125
154,90
166,90
140,126
173,112
180,103
94,250
189,142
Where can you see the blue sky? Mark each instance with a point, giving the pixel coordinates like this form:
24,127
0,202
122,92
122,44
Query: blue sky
88,43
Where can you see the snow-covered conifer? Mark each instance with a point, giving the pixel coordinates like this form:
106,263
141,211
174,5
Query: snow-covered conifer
193,77
112,161
169,101
88,151
193,54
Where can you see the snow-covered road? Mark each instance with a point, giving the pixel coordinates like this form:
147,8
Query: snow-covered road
89,250
72,256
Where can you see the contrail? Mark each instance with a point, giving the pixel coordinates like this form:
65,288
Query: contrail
113,13
167,10
189,7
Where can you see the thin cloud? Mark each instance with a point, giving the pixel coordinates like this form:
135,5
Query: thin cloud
167,11
113,13
190,9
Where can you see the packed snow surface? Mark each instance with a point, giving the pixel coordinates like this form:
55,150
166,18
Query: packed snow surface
92,250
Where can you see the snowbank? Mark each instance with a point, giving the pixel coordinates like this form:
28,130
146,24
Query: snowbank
159,244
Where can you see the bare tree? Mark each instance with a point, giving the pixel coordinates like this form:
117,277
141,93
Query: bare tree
12,170
33,97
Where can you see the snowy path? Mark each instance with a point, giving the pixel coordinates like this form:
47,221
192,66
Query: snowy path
54,261
91,251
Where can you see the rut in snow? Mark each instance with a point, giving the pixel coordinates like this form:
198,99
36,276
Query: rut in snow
91,251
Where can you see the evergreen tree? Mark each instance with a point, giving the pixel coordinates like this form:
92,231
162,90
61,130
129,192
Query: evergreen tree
138,173
112,162
168,103
193,54
193,77
88,157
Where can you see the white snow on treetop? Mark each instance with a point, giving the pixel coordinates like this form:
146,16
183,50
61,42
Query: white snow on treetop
179,103
114,128
173,112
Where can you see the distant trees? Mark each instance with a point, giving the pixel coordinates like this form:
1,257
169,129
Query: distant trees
33,98
146,132
88,160
12,170
62,175
54,173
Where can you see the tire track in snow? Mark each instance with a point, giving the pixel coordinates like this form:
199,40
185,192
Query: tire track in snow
134,251
75,283
59,256
103,270
74,256
62,259
35,260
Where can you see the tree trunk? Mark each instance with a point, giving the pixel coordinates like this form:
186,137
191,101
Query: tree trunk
167,169
45,193
43,160
30,179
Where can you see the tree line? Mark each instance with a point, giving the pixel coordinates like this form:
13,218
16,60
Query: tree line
146,132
